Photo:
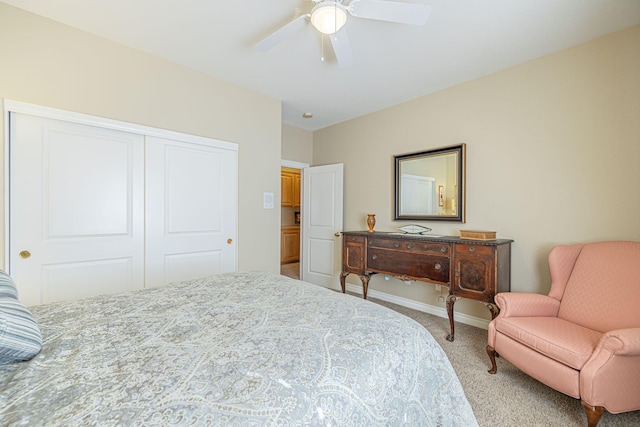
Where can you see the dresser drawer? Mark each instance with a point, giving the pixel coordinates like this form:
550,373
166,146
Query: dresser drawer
470,249
353,239
420,266
386,243
429,247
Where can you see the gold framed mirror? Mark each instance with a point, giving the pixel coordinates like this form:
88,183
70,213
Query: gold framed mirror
430,185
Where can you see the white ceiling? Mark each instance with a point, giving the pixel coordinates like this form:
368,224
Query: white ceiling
393,63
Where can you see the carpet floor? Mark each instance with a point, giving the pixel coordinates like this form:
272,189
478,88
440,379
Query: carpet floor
510,397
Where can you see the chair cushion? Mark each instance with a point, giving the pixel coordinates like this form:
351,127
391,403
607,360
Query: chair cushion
566,342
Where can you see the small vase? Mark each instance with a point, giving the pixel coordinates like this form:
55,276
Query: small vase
371,222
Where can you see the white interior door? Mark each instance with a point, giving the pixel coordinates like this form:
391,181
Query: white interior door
322,214
191,210
76,209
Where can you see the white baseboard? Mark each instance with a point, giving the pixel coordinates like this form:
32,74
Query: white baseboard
415,305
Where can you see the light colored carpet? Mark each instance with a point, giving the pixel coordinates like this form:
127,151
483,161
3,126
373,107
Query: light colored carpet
510,397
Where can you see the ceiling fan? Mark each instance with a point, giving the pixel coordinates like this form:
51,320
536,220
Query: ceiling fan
330,16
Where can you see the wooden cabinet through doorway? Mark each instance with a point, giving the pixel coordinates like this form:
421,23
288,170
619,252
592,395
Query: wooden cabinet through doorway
289,244
290,187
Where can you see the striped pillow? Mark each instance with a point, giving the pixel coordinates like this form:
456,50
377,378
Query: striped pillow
7,287
20,337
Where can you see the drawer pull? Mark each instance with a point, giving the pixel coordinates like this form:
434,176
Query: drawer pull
438,266
374,257
443,249
397,245
409,246
472,249
353,239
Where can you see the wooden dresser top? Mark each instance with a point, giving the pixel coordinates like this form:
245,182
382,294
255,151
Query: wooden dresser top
426,237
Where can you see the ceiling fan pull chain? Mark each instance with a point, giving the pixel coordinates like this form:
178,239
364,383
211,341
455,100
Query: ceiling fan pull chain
322,48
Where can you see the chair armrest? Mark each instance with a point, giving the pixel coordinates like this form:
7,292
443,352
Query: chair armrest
526,305
611,378
621,342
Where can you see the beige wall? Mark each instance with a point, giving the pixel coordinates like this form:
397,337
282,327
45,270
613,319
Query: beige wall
553,156
46,63
297,144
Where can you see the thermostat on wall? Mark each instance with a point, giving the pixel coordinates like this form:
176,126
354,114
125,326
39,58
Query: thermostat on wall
267,200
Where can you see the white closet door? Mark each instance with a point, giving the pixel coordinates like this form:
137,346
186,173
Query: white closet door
191,210
76,209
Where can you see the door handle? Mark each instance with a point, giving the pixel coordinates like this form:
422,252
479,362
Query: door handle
337,234
24,254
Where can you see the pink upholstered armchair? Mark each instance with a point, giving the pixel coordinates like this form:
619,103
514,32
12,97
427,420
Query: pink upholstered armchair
583,339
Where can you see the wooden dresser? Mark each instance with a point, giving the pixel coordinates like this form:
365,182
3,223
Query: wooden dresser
469,268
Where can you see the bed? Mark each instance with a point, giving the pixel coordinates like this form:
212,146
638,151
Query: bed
250,349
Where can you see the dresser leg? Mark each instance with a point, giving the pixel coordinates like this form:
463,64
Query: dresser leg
451,300
493,309
365,285
343,276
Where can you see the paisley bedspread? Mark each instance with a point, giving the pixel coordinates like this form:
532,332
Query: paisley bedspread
250,349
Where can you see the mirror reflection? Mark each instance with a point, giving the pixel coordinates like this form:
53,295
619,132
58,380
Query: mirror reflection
429,185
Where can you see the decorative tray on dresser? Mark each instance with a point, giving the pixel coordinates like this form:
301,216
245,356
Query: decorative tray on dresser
471,269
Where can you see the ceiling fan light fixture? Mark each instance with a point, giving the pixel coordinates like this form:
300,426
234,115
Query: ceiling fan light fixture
328,17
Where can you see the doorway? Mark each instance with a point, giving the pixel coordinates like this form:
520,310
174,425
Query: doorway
321,216
290,218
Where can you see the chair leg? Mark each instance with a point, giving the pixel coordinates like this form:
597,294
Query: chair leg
492,355
593,413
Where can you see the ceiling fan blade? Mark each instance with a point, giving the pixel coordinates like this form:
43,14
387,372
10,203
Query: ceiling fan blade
342,48
392,11
285,32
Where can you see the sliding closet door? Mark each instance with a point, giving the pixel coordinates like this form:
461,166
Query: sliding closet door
191,210
76,209
99,206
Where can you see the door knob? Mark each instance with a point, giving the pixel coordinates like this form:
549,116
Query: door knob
24,254
337,234
229,241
